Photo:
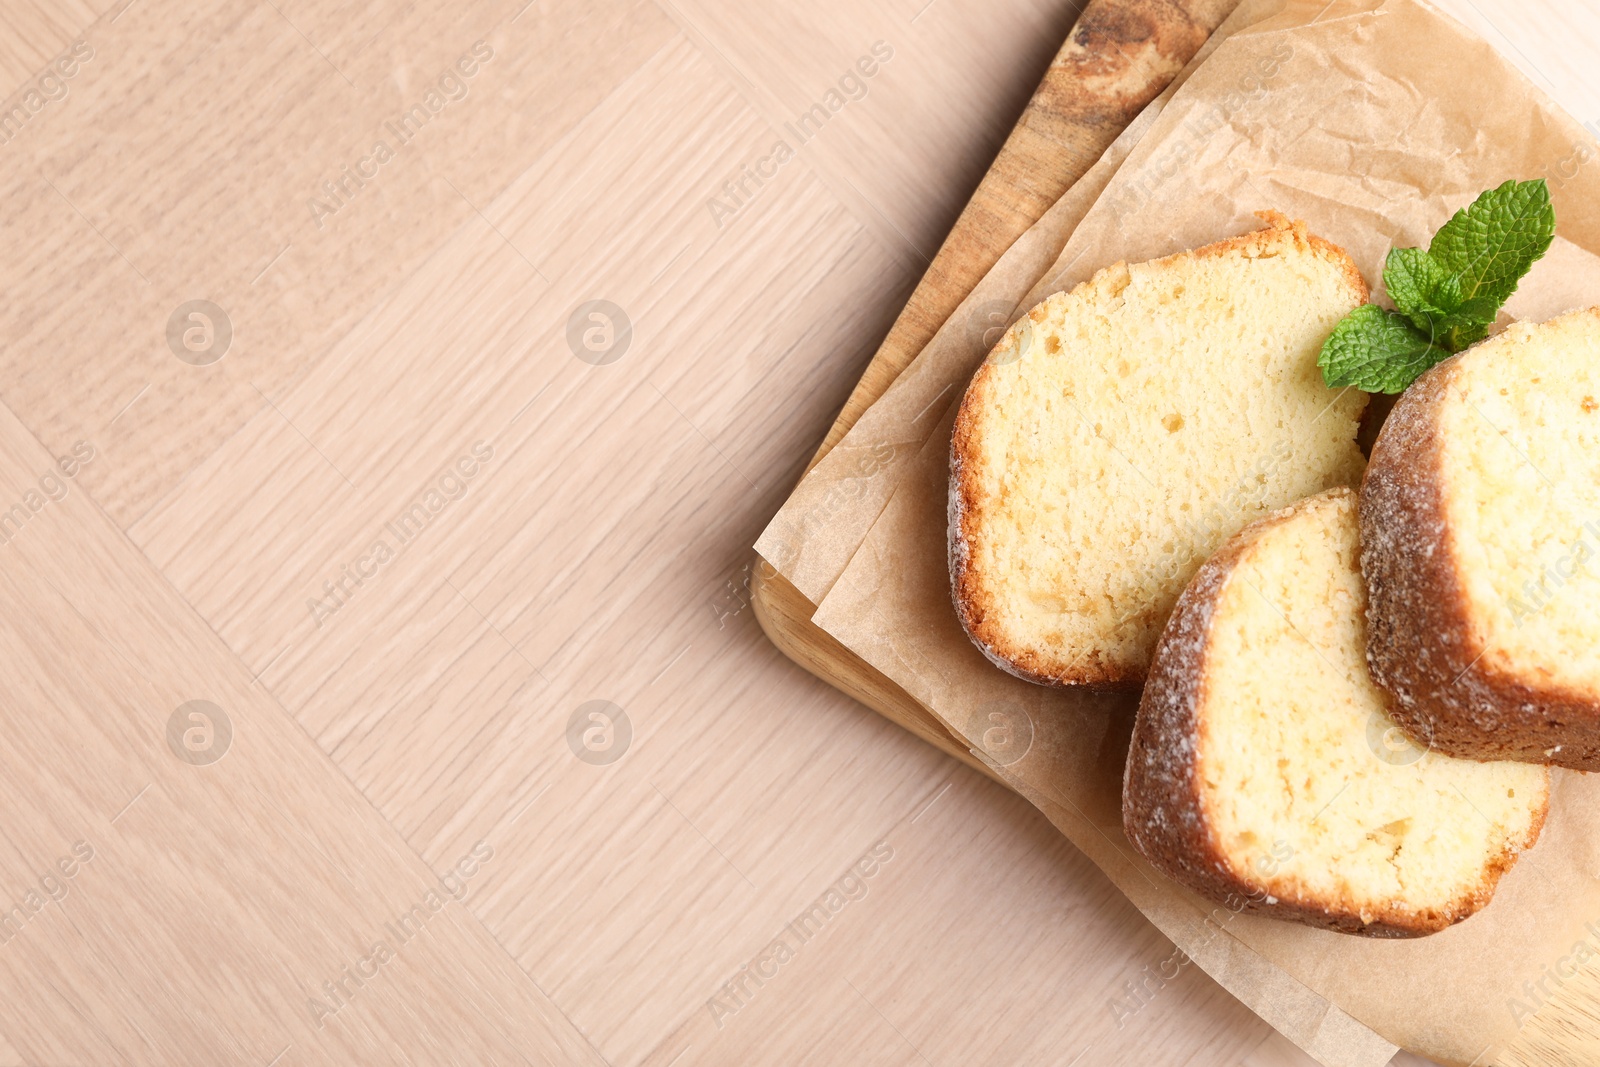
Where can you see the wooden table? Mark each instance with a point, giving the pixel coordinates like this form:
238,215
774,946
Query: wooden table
378,678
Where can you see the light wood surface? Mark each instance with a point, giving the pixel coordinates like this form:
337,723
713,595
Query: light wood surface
414,726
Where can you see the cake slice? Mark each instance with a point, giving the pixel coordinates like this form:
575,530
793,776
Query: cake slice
1120,432
1265,770
1480,520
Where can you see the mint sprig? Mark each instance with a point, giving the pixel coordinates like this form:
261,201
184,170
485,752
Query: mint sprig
1446,296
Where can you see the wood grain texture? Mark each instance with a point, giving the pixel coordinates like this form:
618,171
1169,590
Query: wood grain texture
226,910
37,34
400,341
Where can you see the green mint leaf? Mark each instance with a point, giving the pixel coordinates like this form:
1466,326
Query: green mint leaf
1454,289
1448,295
1465,326
1377,351
1416,281
1491,244
1478,310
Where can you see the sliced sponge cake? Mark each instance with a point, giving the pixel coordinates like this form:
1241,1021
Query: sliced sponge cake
1480,521
1265,768
1120,432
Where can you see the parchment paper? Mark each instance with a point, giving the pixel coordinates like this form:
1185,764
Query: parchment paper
1372,120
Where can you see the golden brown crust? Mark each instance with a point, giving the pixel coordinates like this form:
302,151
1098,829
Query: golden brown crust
1164,809
1422,646
973,602
1277,220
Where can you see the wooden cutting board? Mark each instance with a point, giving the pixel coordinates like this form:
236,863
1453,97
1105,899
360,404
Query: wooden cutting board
1119,57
